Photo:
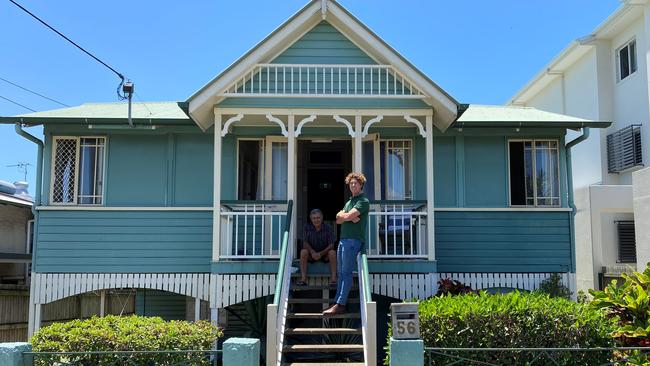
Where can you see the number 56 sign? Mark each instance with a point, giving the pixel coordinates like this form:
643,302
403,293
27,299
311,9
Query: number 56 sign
405,321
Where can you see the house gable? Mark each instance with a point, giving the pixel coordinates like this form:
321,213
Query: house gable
287,41
324,44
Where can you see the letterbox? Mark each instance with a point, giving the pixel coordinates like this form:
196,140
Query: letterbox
405,321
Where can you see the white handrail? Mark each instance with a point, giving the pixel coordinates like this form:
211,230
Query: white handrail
397,231
368,317
251,231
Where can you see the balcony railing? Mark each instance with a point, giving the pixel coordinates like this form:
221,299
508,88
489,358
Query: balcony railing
397,229
299,80
624,149
252,229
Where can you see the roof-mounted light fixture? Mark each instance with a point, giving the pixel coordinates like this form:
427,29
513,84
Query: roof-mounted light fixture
127,89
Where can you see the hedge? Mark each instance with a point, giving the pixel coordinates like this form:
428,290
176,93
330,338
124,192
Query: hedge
514,320
125,333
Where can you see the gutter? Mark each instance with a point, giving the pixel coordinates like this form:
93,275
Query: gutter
569,146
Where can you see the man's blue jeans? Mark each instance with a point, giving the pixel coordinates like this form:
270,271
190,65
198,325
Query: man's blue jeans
346,260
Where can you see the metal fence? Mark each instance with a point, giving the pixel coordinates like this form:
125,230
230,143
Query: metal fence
534,356
128,358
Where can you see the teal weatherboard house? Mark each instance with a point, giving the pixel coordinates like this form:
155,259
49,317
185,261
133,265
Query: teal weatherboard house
207,197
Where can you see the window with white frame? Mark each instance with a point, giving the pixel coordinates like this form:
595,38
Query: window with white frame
626,60
534,173
396,169
78,170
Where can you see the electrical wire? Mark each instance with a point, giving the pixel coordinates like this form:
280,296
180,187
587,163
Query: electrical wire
33,92
16,103
122,78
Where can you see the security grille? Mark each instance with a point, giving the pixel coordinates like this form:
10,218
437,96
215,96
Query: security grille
78,170
626,242
624,149
65,170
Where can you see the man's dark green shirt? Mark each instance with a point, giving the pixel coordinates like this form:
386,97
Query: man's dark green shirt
350,230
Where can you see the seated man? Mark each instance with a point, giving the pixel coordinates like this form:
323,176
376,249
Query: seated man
318,244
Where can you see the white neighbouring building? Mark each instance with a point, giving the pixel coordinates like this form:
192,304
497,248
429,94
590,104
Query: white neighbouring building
603,76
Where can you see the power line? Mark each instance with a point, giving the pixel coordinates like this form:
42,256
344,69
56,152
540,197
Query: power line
16,103
33,92
76,45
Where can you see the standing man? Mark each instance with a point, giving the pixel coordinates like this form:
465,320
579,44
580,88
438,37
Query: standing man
354,222
318,244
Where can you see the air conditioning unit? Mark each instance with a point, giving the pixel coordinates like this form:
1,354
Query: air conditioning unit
618,269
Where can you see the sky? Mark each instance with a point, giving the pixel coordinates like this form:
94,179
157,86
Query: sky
478,51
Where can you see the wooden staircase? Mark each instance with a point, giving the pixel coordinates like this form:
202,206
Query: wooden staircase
314,340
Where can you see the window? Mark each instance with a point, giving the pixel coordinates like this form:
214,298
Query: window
626,242
624,149
534,173
251,170
626,57
78,170
397,157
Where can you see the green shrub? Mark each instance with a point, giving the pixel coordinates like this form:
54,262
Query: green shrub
554,287
628,305
131,333
514,320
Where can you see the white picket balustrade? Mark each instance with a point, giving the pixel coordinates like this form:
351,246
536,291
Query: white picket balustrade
252,230
397,231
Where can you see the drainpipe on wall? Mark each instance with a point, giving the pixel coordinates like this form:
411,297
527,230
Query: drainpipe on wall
39,178
39,164
571,144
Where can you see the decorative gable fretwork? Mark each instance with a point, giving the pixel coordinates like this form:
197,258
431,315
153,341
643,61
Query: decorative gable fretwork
307,80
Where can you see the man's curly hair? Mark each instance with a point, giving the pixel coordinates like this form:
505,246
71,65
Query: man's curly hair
358,176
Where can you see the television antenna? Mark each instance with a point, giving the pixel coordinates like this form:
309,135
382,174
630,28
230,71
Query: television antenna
21,165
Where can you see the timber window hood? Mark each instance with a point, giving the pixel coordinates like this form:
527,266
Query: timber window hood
77,170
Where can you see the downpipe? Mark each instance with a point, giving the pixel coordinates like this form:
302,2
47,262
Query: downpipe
39,178
571,203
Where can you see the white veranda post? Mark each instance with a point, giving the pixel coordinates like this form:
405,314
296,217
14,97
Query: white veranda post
291,167
430,192
357,144
216,209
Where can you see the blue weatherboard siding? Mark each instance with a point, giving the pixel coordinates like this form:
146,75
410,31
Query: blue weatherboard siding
444,171
193,167
124,241
503,241
167,305
323,45
485,172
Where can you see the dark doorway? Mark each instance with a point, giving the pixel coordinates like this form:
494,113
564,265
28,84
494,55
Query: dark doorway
321,170
325,191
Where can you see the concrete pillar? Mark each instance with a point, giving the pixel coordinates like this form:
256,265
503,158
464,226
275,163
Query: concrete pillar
641,205
406,352
241,352
11,354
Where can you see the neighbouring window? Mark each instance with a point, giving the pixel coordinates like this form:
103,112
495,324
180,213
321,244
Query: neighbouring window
534,173
626,242
396,169
624,149
78,170
626,56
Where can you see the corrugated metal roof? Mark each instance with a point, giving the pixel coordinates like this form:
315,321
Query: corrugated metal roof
109,111
501,116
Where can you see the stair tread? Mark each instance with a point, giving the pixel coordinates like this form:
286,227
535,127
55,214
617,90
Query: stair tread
320,315
316,301
323,348
319,287
323,331
324,364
